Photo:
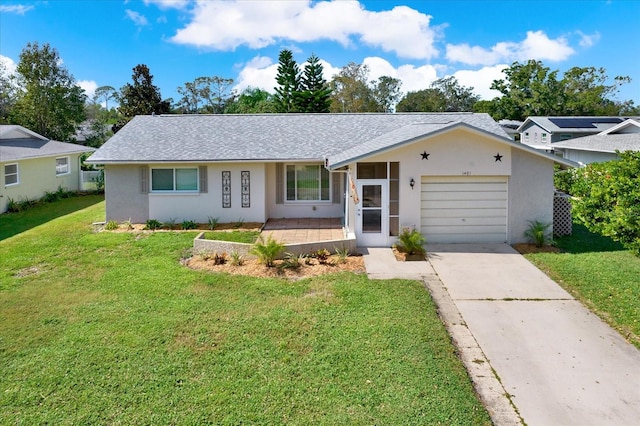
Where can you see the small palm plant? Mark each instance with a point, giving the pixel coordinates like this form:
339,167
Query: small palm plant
267,251
410,241
538,233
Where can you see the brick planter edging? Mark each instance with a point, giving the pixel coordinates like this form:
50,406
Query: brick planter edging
200,245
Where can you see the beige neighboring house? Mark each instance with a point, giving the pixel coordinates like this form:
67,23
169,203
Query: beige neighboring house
603,146
31,165
455,177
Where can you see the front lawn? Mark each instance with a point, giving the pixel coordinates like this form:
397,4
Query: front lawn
600,273
109,328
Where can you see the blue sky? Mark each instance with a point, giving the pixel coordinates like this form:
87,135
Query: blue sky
416,41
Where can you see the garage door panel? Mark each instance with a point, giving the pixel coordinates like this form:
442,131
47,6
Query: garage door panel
463,204
463,221
463,187
464,195
464,209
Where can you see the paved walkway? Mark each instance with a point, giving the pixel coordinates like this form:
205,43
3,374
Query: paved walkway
558,363
294,231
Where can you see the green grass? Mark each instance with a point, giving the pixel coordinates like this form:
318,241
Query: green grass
109,328
600,273
248,237
15,223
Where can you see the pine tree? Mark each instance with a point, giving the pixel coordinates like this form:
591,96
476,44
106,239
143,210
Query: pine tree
288,80
314,94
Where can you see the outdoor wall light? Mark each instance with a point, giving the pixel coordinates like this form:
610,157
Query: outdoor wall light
412,183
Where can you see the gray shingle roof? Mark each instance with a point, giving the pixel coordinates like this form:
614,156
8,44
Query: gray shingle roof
24,148
603,142
595,124
265,137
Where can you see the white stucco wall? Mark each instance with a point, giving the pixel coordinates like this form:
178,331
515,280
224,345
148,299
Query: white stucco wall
530,194
37,176
587,157
199,206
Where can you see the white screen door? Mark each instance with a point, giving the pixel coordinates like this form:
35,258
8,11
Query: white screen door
372,217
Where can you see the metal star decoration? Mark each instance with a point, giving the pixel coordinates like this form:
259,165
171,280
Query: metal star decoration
498,157
425,156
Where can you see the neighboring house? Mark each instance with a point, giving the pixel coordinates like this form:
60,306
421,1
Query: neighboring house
602,146
543,132
456,177
511,128
31,165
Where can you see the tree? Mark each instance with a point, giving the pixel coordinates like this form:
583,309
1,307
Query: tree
251,101
288,79
607,198
386,93
7,93
140,98
531,89
48,100
314,94
443,95
351,91
205,95
105,93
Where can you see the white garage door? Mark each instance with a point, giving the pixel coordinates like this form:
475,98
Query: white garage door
464,209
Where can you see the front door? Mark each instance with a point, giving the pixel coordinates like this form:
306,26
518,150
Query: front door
372,217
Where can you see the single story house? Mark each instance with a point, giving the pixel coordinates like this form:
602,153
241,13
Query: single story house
603,146
31,165
543,132
456,177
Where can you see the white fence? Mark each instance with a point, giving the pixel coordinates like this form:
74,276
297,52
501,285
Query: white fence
88,179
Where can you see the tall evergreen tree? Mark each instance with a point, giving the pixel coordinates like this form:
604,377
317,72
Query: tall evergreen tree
288,79
315,93
49,101
140,98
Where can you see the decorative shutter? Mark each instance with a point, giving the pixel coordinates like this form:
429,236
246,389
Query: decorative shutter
144,179
336,188
279,183
204,182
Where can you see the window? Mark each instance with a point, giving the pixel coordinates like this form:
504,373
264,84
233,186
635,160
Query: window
174,179
526,136
11,174
62,166
544,137
307,182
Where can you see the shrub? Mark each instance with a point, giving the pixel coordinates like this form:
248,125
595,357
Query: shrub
128,224
236,259
410,241
267,251
171,223
342,253
219,258
111,225
292,261
213,222
608,199
537,233
152,224
188,224
322,255
239,223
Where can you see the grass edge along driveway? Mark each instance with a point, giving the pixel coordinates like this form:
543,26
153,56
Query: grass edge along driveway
110,328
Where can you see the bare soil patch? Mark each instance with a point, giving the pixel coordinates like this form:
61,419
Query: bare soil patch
252,267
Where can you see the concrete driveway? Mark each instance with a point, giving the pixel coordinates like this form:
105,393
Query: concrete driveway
560,364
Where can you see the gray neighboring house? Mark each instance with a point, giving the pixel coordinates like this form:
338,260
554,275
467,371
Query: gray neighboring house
31,165
544,132
456,177
602,146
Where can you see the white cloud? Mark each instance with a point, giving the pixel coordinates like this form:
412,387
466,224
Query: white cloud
537,45
18,9
587,40
9,64
260,72
481,80
226,25
89,87
168,4
138,19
